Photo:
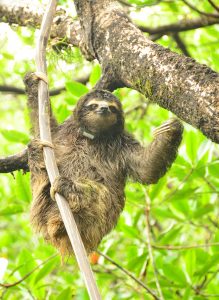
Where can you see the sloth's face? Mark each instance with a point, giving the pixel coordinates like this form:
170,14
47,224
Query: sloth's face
100,115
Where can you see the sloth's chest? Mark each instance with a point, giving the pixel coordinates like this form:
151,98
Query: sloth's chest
89,164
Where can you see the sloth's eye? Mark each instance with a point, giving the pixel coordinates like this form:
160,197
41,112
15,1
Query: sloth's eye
93,106
112,109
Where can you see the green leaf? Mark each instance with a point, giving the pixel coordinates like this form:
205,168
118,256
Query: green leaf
136,262
82,295
7,55
95,75
203,210
45,270
187,293
210,263
157,188
11,209
184,193
163,212
76,88
171,235
128,230
189,263
23,191
174,273
66,294
176,212
192,145
213,169
15,136
26,260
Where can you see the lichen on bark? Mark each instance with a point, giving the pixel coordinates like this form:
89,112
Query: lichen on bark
175,82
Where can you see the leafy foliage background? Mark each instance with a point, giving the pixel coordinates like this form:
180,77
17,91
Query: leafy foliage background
184,204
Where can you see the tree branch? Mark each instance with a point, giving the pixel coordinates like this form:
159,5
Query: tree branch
52,92
9,285
150,250
181,44
24,14
49,155
184,25
19,91
126,3
14,162
175,82
151,292
214,5
199,11
30,13
184,247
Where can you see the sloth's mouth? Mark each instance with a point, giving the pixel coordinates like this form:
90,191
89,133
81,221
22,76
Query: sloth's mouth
103,112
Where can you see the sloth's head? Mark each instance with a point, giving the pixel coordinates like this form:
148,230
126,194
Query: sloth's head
100,113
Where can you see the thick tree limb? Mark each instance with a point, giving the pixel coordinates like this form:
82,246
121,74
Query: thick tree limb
26,13
188,89
29,13
175,82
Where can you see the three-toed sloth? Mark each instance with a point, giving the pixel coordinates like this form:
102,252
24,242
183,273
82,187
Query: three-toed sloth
95,155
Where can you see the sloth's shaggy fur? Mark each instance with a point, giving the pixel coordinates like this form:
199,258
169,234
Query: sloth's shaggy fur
95,155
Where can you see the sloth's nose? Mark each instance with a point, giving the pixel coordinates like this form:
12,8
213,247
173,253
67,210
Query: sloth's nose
104,108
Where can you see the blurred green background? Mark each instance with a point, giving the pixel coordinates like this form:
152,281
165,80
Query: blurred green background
184,204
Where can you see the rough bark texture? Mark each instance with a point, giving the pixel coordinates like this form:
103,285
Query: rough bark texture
28,13
175,82
14,162
128,58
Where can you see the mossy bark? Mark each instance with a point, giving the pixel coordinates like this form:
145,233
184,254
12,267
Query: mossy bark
175,82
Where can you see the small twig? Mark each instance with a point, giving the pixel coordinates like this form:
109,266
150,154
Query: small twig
144,110
9,285
199,11
151,292
213,5
143,273
181,44
213,222
208,296
209,183
200,286
171,247
126,3
172,193
150,251
213,275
